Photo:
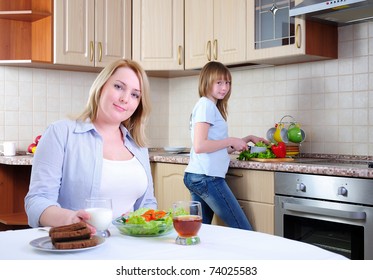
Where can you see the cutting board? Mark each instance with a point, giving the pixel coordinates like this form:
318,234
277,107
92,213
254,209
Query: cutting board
272,159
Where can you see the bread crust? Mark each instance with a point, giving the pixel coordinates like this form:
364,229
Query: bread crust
77,244
84,233
71,227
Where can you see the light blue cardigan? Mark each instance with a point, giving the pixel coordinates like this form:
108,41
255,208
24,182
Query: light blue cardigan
67,166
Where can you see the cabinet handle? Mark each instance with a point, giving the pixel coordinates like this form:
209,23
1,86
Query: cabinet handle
92,50
215,49
179,55
99,51
234,175
298,36
208,50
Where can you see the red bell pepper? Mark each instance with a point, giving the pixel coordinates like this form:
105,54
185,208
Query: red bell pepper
279,149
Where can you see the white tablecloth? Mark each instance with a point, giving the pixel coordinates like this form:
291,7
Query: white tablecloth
217,243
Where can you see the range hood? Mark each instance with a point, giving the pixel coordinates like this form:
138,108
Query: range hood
339,12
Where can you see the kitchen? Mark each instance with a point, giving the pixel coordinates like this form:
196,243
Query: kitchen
331,99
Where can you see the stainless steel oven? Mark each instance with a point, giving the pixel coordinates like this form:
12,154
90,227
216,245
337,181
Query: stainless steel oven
334,213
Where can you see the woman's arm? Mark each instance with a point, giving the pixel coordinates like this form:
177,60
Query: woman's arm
57,216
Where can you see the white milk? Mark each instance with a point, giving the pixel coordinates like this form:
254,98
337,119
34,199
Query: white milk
100,217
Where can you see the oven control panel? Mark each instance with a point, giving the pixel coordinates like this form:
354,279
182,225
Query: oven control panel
345,189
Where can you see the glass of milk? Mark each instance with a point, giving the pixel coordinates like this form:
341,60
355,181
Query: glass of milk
101,213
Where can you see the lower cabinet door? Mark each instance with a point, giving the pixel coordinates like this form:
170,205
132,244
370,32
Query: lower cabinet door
260,215
169,185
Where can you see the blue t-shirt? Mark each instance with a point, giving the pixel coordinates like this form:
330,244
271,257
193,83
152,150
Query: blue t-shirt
215,163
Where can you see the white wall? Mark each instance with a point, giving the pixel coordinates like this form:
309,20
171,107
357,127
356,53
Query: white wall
333,100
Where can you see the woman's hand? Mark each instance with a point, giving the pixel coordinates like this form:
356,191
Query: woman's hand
82,215
55,216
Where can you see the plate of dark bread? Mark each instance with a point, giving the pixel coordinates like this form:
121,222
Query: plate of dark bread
74,237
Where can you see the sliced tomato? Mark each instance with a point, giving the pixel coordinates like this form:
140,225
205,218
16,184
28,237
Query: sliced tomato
151,215
159,214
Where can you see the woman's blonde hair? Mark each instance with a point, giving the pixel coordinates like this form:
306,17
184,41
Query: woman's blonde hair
210,73
136,123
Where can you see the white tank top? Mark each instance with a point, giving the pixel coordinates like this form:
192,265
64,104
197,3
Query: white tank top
124,182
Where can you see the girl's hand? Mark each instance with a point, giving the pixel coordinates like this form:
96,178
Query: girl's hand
256,139
238,144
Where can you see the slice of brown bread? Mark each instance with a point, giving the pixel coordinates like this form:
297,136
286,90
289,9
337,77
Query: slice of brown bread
71,227
74,236
79,234
77,244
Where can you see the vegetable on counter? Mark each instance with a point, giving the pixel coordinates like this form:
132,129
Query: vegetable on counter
279,149
247,155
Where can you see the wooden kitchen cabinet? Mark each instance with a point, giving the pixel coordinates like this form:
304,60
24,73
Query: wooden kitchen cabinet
168,184
14,184
26,31
275,38
254,191
158,34
214,30
92,32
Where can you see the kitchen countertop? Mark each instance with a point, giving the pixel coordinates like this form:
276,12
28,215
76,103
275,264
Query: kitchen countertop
304,165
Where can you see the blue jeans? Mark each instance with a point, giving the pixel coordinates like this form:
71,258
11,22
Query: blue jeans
216,197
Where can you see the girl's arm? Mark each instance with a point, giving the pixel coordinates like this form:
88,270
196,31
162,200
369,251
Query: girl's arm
202,144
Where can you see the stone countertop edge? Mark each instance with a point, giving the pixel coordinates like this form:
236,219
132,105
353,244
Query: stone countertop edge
294,167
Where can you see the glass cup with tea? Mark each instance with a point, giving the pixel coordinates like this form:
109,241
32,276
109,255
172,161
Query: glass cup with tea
101,213
187,220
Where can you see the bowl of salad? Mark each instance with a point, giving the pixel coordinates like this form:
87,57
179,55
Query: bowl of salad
145,222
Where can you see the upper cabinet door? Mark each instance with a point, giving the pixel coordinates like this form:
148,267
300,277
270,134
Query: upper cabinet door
91,32
74,32
275,38
229,45
112,31
214,30
158,34
199,21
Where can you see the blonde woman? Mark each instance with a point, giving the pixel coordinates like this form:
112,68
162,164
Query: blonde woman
101,153
209,159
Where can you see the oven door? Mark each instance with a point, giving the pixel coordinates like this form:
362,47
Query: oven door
337,227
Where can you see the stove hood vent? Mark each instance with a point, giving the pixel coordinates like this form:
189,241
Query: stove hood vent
339,12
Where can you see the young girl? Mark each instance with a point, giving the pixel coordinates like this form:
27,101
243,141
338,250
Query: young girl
209,159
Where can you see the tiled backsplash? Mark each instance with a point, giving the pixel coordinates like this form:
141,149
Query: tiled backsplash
332,100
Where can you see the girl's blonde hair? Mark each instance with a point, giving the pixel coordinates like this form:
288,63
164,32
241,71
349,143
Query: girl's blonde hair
136,123
210,73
